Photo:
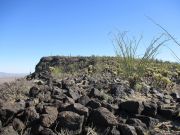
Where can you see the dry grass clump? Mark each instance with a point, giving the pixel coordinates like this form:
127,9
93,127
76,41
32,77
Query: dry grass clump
17,89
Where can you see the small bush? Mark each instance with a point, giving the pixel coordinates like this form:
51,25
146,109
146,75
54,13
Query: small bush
133,66
55,70
15,90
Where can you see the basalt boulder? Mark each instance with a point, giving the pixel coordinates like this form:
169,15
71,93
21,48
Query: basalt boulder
103,117
70,121
131,107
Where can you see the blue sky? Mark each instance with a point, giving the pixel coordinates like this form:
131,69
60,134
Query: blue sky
30,29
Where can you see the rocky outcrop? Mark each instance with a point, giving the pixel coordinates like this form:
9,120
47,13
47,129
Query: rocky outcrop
86,103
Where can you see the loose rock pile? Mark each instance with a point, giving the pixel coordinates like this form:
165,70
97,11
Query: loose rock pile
88,105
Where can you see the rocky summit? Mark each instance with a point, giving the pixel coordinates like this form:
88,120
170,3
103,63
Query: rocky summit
90,96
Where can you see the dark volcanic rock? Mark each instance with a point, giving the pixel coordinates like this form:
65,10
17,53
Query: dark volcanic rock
110,107
67,84
71,121
88,95
131,107
117,90
9,110
93,104
44,97
150,109
83,100
168,113
175,95
136,122
177,119
73,94
30,114
103,117
50,110
34,91
18,125
47,120
140,130
77,108
127,130
150,122
0,124
49,116
95,93
8,131
46,131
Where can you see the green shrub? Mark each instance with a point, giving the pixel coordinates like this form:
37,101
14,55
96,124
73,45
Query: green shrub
134,67
160,81
56,70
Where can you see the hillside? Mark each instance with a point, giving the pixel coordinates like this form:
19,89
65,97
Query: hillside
92,96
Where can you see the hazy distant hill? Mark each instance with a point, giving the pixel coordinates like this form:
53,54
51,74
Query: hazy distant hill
7,75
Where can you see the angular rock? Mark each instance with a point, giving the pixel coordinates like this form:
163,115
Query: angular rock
83,100
59,97
149,121
46,131
18,125
150,109
33,92
50,110
32,102
178,100
44,97
30,114
34,129
130,91
9,110
117,90
131,107
110,107
0,124
66,84
135,122
175,95
168,113
68,100
77,108
49,116
57,91
95,93
40,108
47,120
103,117
70,121
73,94
93,104
8,131
140,130
178,118
127,130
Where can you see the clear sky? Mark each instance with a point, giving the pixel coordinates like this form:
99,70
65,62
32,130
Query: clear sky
30,29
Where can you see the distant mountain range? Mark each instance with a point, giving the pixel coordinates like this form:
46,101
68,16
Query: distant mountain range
6,75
